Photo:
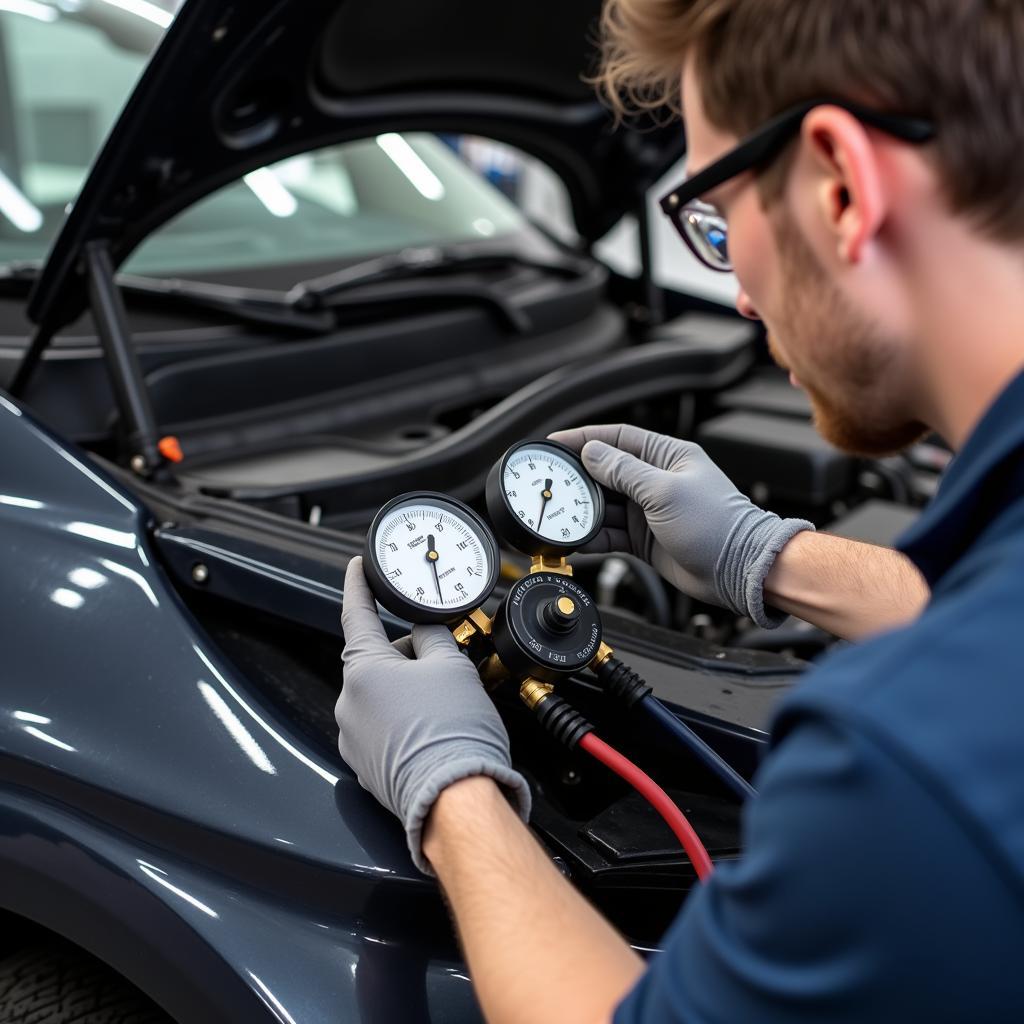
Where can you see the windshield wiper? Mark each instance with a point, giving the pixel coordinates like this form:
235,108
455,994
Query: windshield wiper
310,307
412,275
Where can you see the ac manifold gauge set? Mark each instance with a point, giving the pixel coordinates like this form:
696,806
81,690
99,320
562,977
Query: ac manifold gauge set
429,558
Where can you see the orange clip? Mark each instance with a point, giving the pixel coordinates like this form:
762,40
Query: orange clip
170,448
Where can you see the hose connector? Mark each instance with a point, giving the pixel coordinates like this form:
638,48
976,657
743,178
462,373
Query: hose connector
621,682
604,652
533,692
559,718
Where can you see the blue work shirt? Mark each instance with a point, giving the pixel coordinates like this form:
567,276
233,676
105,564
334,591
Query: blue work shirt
883,872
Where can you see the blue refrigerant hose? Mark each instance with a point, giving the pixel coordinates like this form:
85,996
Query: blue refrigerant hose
623,683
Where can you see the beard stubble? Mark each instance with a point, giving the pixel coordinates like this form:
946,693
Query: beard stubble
843,362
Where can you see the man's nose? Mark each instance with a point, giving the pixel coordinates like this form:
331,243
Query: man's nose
745,307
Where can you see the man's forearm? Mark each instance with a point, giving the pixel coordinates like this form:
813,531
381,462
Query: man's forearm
537,951
846,587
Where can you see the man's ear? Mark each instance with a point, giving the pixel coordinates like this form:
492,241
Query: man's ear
850,194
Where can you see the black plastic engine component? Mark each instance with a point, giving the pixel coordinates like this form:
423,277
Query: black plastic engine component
627,845
766,391
775,458
875,522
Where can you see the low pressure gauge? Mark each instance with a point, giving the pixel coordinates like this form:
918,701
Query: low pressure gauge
430,558
542,501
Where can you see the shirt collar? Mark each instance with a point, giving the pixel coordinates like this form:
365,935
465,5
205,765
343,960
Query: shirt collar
986,477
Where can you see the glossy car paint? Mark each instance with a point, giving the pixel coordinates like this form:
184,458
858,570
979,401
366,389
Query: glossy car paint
157,812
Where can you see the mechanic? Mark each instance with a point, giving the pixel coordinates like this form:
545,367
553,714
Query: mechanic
883,872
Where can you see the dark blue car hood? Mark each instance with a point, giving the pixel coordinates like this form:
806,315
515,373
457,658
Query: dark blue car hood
235,86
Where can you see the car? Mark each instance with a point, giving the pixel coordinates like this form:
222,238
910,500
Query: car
277,300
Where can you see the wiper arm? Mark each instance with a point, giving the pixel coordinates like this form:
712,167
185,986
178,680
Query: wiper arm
418,261
250,305
411,275
391,293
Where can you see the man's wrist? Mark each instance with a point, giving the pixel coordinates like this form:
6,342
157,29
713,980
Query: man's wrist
476,798
786,571
754,548
847,587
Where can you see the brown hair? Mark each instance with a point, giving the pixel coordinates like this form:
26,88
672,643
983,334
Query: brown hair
956,62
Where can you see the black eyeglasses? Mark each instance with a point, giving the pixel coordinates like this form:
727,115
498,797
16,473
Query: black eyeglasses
702,226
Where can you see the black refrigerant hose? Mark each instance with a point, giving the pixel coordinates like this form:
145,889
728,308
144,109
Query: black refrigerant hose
621,682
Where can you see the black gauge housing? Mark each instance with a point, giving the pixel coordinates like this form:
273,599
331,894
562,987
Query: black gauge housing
511,528
547,627
400,604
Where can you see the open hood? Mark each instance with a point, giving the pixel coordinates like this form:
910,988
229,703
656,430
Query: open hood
236,86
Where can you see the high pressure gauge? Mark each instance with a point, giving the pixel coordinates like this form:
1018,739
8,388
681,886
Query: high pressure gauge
542,501
429,558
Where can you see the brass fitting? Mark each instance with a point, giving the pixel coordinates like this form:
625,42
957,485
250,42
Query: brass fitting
483,622
541,563
533,691
477,621
604,652
464,632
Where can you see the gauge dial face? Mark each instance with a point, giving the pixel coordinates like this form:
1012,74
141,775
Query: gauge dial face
434,554
550,494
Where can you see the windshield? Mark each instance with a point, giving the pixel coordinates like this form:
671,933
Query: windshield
66,68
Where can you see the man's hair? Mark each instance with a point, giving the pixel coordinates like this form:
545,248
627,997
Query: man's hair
959,63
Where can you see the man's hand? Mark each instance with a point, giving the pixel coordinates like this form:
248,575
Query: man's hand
413,717
684,516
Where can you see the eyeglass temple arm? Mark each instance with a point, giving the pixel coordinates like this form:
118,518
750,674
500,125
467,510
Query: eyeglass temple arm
766,142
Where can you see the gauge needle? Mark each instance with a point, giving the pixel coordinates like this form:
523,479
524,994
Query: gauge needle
545,497
432,557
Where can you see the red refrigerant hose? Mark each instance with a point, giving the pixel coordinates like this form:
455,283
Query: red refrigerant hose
655,796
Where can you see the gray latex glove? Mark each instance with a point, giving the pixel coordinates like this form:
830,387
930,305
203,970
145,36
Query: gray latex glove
414,716
684,517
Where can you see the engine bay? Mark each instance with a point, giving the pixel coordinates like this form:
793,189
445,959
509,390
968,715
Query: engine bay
266,585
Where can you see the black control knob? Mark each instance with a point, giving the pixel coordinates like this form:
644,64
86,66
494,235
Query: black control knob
560,614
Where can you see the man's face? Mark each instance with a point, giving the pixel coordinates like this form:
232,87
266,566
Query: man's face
850,367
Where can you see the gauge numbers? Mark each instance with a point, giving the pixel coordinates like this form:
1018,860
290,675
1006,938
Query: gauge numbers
550,494
434,555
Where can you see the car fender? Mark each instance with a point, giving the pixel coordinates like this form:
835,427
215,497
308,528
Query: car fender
153,807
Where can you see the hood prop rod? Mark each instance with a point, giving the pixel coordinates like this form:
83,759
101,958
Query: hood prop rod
134,407
653,297
30,360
